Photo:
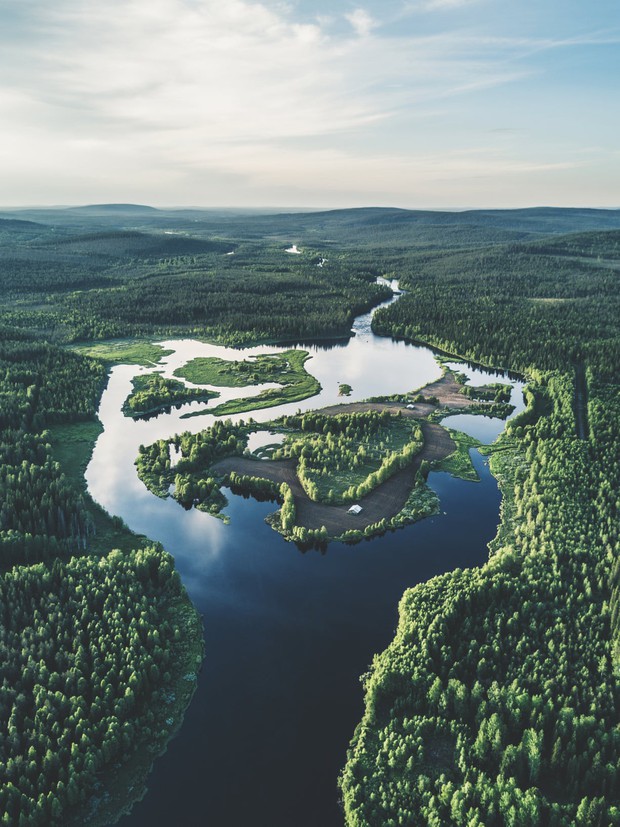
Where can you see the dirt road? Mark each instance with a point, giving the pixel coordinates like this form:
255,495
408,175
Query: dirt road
385,501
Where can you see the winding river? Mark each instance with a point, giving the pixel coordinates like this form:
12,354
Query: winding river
287,634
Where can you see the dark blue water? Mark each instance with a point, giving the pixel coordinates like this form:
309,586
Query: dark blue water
288,635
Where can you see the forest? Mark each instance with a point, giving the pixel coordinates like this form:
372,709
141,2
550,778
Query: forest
497,702
154,393
514,719
90,637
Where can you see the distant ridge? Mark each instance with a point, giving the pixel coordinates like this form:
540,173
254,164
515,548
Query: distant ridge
18,224
113,208
351,227
528,220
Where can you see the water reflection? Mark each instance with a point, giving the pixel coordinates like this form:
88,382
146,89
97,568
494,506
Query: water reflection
287,636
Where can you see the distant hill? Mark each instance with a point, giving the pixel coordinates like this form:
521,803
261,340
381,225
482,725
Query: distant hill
16,232
535,219
18,224
601,244
391,228
106,209
120,244
547,219
370,225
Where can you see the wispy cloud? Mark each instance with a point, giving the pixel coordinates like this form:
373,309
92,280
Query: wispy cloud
222,72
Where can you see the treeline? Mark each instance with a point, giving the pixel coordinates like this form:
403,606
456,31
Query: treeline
233,307
344,457
284,519
496,392
257,487
41,513
193,484
154,393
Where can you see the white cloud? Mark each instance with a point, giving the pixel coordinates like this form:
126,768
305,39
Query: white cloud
188,74
362,22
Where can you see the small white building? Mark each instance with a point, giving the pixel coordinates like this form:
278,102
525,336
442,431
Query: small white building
355,509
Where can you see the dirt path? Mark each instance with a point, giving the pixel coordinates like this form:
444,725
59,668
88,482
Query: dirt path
447,390
389,497
385,501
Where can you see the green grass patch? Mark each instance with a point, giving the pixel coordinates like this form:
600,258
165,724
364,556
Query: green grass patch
72,447
283,368
297,384
123,351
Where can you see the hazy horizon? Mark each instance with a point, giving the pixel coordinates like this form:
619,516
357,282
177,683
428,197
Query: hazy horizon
293,208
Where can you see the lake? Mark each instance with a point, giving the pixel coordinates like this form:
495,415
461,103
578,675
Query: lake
288,634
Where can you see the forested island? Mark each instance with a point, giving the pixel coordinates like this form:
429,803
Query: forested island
497,702
374,456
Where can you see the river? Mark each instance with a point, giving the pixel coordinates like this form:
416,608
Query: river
287,633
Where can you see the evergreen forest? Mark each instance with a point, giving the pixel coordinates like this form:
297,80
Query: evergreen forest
497,703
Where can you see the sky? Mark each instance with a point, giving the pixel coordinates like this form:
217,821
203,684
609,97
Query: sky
437,104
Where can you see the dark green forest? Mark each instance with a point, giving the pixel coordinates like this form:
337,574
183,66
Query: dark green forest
549,306
497,703
90,637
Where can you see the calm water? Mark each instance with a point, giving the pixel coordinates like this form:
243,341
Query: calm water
287,634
